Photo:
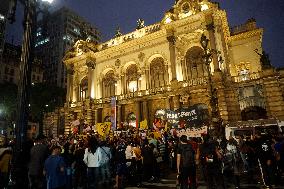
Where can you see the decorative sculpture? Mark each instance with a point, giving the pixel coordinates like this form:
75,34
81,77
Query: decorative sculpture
117,32
140,24
264,59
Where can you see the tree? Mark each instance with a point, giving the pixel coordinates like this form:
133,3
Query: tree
8,100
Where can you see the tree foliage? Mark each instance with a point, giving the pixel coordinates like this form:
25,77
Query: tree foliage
8,100
43,98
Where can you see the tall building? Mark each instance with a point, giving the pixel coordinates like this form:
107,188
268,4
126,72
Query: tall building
4,10
190,60
10,66
55,35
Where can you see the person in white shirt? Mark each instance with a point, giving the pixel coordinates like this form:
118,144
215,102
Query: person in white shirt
92,158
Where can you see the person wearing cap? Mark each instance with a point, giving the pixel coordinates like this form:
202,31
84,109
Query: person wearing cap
55,169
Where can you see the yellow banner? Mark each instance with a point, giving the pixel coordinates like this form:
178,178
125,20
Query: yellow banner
103,128
143,125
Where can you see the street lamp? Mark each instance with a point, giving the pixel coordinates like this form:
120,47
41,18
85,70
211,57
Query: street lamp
207,58
24,85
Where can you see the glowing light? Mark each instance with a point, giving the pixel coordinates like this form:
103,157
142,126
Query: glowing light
2,17
48,1
204,7
168,20
133,86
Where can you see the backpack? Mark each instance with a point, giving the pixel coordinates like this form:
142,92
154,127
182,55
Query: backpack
187,155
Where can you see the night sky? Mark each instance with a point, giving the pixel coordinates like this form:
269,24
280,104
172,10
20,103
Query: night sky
106,15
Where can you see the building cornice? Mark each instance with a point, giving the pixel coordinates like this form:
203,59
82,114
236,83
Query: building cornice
246,35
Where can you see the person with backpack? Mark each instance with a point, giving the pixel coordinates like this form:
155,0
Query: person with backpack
210,159
186,164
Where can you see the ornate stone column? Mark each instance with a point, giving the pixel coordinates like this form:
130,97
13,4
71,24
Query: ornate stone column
166,75
118,114
70,78
91,67
145,110
138,113
147,73
96,116
172,49
211,30
122,83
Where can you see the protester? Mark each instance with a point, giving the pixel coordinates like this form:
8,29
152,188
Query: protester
38,154
120,161
55,170
211,164
186,164
5,161
91,159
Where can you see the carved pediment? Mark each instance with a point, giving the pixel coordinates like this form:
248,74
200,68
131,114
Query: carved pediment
183,41
79,48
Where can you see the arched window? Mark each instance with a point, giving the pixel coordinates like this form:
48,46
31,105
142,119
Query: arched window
157,72
84,88
194,65
109,83
132,78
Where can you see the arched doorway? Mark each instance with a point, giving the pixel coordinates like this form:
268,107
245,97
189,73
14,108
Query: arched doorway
194,65
84,88
109,82
253,113
157,72
132,78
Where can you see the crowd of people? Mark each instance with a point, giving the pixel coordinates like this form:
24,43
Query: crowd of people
92,161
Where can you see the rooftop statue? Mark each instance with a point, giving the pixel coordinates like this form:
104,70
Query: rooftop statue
117,32
140,24
264,59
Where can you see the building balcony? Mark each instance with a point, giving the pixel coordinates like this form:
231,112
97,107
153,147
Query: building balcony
246,77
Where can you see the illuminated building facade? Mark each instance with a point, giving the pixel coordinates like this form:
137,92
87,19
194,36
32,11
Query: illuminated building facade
161,66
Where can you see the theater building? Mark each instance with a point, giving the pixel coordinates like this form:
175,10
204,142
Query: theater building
164,66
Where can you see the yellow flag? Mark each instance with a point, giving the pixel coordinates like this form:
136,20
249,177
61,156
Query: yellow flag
143,125
103,128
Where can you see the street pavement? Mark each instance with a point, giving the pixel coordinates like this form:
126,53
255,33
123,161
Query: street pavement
170,183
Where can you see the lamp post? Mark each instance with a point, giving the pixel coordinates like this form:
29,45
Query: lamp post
24,85
207,58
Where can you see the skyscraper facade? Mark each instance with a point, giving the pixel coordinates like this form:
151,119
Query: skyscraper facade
4,9
56,34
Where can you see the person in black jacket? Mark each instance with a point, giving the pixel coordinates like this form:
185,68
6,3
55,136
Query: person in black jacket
211,164
186,164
